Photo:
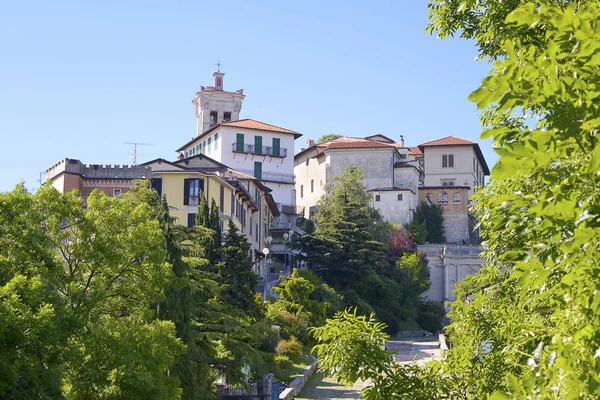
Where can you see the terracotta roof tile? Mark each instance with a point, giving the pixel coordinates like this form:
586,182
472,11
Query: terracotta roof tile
346,142
414,150
254,124
448,141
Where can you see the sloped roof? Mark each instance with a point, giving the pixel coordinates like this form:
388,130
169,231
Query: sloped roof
448,141
243,124
454,141
262,126
414,150
379,135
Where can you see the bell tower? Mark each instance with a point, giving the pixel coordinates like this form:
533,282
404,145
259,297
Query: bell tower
213,105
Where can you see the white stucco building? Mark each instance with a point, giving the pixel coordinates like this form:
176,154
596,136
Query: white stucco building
391,176
445,172
453,161
256,148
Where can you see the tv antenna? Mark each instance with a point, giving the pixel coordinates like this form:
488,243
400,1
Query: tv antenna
133,154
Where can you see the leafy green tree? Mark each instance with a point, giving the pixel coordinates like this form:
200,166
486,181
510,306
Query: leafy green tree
344,248
484,22
431,215
527,325
351,347
78,286
238,281
414,265
327,138
418,231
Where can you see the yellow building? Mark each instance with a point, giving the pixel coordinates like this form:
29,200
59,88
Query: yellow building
240,197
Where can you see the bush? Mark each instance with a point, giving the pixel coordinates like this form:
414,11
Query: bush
282,363
418,231
291,348
430,314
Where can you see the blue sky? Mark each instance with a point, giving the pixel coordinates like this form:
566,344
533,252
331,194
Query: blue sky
78,78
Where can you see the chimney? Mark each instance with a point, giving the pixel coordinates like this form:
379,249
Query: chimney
310,143
401,142
218,80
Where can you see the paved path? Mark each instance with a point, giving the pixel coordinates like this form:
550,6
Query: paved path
404,349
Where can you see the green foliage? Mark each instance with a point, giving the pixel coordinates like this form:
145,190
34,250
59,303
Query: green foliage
351,348
484,22
76,288
327,138
431,215
418,231
430,314
238,281
414,266
345,245
292,348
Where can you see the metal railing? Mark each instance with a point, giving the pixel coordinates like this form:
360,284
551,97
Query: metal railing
262,150
271,176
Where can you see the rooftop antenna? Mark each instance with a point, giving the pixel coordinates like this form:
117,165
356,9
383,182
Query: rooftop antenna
218,64
40,178
133,154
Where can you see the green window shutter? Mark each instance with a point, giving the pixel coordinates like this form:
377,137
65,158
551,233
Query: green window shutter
239,142
258,144
257,169
276,146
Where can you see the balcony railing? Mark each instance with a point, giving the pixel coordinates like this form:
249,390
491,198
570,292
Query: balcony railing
271,176
262,150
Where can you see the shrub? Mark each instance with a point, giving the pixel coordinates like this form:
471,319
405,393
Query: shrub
291,348
282,363
430,314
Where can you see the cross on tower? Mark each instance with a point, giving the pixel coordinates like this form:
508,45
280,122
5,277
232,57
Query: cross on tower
218,64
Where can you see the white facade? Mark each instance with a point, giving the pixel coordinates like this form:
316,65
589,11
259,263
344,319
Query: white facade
392,181
462,166
276,171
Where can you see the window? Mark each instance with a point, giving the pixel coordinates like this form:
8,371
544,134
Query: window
257,169
239,143
301,191
213,118
445,184
191,222
222,199
448,161
218,82
257,197
116,192
400,197
443,198
276,147
186,154
198,148
192,188
250,226
258,145
227,116
216,140
232,204
157,185
208,146
456,199
204,147
377,197
312,185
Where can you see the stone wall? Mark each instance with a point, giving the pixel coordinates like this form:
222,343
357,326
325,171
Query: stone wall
448,265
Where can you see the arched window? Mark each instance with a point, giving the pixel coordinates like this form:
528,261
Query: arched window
457,199
443,198
445,184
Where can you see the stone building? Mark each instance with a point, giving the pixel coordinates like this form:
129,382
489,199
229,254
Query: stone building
113,180
449,264
262,150
445,172
391,176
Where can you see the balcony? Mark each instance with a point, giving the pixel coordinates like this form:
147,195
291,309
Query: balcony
271,176
259,150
